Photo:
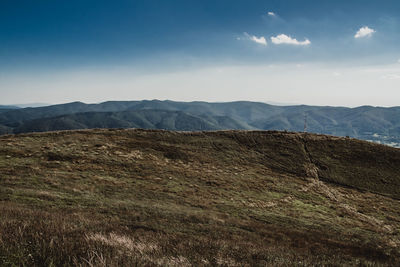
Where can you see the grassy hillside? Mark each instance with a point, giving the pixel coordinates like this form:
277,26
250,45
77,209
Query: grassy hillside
141,197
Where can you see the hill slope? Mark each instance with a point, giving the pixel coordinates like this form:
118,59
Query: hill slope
141,197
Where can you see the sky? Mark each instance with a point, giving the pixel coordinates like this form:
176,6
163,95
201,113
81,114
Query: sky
316,52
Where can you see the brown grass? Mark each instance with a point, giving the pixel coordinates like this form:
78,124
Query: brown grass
134,197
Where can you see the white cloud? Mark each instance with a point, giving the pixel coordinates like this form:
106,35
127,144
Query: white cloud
364,32
271,14
398,61
285,39
259,40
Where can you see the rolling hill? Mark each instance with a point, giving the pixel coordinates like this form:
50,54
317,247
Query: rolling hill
369,123
231,198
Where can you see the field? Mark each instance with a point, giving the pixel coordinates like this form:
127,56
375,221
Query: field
230,198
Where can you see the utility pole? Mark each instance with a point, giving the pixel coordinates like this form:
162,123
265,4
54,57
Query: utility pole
305,122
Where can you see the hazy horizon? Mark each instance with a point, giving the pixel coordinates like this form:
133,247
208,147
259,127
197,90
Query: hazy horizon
37,105
324,53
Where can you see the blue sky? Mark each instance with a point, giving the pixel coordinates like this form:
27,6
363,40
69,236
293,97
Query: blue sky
342,53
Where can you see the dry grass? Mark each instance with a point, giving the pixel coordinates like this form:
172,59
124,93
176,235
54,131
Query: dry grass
133,197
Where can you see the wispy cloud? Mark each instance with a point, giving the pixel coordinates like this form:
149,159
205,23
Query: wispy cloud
285,39
391,77
271,14
364,32
336,74
259,40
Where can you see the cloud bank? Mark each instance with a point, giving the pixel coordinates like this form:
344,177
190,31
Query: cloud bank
364,32
285,39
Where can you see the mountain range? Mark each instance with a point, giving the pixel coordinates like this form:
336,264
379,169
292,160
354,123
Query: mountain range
376,124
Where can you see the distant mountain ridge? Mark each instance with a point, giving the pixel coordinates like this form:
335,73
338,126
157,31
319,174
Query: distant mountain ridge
377,124
4,108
